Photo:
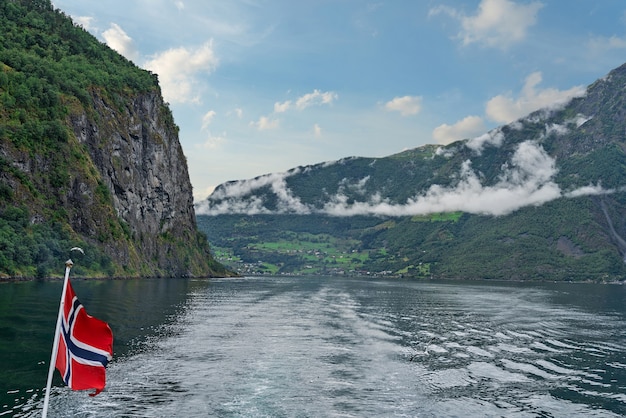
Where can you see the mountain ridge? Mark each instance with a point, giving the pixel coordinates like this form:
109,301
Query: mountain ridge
568,160
529,145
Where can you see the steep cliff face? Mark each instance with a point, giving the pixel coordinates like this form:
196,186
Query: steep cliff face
134,146
136,150
89,156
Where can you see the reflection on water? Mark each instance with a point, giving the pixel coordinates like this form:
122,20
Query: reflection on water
338,347
137,310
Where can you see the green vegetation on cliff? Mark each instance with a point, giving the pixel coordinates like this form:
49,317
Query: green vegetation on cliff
54,193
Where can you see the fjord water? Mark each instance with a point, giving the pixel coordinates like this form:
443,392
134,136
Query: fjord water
295,346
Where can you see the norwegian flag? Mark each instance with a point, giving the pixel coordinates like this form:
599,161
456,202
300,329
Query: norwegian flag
85,346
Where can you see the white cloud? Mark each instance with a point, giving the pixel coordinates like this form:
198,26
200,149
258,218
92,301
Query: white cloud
527,179
316,98
208,118
251,206
178,70
118,40
354,186
528,182
531,163
557,129
445,152
505,109
241,188
282,107
465,128
589,191
214,141
230,194
497,23
442,9
238,112
317,130
406,105
85,21
564,127
264,123
493,137
580,120
179,5
603,44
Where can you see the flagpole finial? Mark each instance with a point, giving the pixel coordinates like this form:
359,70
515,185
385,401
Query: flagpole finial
69,263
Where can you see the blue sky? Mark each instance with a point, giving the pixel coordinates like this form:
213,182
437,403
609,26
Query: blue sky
260,87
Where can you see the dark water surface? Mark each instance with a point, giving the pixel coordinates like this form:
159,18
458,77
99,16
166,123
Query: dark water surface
328,347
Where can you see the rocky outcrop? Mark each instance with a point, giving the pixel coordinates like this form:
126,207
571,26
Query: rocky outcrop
135,148
89,157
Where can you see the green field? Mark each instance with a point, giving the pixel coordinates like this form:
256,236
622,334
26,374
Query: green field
282,250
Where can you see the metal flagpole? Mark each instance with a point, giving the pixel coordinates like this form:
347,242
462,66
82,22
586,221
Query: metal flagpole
55,344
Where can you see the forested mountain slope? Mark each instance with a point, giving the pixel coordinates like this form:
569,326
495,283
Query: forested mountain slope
89,157
541,198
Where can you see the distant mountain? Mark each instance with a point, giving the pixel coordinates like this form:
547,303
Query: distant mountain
543,197
89,157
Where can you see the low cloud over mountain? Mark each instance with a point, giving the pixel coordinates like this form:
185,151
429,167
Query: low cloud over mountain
527,179
561,151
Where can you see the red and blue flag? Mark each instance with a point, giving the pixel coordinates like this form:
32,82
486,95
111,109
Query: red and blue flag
85,346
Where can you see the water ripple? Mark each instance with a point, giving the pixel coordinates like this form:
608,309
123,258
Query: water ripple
283,347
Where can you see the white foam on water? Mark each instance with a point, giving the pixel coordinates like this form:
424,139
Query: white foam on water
279,347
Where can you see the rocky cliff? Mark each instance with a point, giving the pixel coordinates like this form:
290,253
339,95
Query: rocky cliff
89,156
137,153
